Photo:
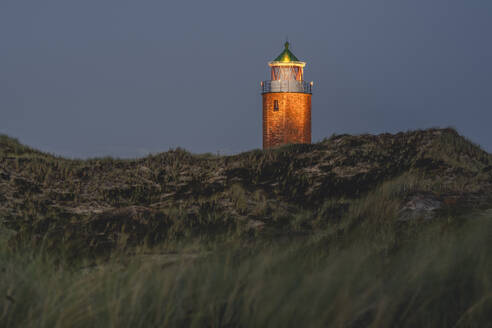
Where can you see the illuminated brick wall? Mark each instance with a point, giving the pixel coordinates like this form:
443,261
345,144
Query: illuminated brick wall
291,123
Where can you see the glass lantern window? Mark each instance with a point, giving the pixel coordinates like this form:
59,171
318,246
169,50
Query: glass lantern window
286,73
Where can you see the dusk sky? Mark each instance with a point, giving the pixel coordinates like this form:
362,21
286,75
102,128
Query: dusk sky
125,78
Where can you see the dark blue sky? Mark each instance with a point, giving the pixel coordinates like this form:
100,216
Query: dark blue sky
124,78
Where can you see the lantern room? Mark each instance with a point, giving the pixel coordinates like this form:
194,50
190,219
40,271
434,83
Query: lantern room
286,74
286,66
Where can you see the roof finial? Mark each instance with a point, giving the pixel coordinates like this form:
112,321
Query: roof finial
286,42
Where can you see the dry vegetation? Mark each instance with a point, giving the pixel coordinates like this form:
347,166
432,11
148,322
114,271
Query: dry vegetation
344,225
90,205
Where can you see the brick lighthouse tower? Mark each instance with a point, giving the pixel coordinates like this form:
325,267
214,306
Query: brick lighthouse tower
286,102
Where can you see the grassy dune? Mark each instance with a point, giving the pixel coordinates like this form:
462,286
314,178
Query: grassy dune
355,231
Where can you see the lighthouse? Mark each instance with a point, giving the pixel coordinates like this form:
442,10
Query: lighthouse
286,102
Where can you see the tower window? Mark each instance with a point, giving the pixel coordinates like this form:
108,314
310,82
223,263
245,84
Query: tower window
275,105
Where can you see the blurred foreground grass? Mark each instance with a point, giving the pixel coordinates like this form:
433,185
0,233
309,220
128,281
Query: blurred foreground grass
443,278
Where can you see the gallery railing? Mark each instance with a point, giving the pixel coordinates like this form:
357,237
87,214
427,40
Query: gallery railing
286,86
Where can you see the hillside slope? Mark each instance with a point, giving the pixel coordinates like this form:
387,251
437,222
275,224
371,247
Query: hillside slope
341,182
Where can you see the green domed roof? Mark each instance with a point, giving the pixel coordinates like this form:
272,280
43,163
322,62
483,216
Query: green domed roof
286,55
